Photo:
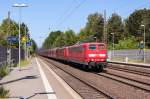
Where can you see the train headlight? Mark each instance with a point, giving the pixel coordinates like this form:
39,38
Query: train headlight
102,55
92,55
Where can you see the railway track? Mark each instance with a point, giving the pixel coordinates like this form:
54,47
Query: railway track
130,68
86,90
107,85
138,82
130,76
131,82
131,64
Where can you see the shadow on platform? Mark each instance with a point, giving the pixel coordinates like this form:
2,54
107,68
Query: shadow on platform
23,78
40,93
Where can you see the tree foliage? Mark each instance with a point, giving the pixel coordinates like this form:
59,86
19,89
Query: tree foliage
95,25
127,43
70,37
58,39
49,41
134,22
9,27
127,33
34,46
115,26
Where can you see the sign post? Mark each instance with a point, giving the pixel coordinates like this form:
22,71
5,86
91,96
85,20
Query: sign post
12,39
28,44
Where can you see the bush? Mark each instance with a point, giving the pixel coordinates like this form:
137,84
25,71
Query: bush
128,43
23,63
4,70
4,93
15,65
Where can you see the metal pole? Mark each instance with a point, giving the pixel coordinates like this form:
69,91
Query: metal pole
27,53
26,47
19,35
8,43
25,44
19,6
105,34
113,45
144,44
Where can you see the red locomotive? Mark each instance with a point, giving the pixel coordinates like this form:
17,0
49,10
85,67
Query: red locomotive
89,55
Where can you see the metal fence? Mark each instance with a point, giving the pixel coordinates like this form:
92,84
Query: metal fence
14,54
135,54
3,63
3,54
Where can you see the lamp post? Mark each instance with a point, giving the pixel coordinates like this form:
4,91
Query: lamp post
113,42
144,41
19,6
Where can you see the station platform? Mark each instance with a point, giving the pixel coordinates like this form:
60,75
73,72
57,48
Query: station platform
37,81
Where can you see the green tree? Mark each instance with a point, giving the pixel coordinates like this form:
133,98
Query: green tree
83,37
70,37
128,43
59,41
115,26
94,26
4,32
82,34
10,28
134,22
34,46
49,41
24,29
7,28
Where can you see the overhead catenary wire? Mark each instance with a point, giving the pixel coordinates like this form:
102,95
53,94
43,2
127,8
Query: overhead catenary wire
67,10
138,7
71,13
64,18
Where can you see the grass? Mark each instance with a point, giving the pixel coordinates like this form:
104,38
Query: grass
121,59
4,70
136,60
4,93
23,63
147,61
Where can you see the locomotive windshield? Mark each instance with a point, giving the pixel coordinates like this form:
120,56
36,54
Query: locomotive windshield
92,47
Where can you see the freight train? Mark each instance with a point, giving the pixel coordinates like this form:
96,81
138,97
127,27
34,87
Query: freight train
91,55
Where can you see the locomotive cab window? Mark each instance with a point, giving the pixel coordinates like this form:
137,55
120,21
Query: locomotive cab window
92,47
101,46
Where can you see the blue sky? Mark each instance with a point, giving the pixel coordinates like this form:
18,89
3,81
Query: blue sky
43,16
